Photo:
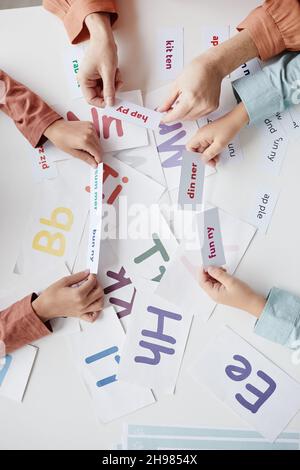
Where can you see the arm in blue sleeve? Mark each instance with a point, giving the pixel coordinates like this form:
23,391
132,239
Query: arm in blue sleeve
280,319
272,90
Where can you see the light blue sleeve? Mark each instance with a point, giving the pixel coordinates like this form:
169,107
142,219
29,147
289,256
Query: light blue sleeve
271,90
280,319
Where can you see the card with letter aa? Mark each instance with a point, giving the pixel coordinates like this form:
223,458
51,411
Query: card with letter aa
155,342
191,186
115,133
15,370
170,52
171,139
212,249
98,351
244,379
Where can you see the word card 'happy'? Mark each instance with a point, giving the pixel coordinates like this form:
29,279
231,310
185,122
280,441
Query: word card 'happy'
191,186
98,351
135,114
95,226
244,379
264,203
212,249
155,343
170,52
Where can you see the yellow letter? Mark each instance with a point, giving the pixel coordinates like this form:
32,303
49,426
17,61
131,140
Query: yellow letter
53,222
50,241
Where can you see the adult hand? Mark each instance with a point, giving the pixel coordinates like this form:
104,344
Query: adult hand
77,138
99,76
228,290
65,299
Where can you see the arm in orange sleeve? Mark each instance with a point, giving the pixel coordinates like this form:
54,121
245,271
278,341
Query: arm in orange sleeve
19,325
74,12
30,113
274,27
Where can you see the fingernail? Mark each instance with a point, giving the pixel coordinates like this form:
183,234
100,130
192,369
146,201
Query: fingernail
87,271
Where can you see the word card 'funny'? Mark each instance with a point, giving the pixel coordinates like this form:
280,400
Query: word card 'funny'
170,53
210,235
191,186
244,379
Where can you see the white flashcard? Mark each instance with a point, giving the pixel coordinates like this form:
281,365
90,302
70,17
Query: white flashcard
273,142
56,224
212,249
212,36
98,352
15,370
190,195
155,343
115,133
95,228
171,139
119,289
170,53
244,379
233,152
145,160
134,114
42,167
72,57
264,203
246,70
147,251
185,266
288,123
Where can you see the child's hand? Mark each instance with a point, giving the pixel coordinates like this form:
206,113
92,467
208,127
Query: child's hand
77,138
61,299
228,290
211,139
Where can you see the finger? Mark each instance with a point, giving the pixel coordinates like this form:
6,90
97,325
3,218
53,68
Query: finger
220,275
203,277
119,81
211,152
95,306
92,92
69,281
109,91
95,295
90,317
198,143
84,156
172,98
178,113
92,146
87,287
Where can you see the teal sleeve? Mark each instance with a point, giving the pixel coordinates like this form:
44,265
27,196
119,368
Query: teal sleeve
280,319
271,90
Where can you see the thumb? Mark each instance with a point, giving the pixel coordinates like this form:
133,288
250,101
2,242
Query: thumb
109,91
212,151
220,275
74,279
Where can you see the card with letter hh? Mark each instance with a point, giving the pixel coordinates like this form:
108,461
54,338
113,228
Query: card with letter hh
191,181
212,249
134,114
244,379
170,52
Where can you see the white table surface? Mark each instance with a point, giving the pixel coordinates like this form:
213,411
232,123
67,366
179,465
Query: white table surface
57,412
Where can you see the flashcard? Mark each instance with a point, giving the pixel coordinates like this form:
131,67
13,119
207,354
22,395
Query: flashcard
184,268
274,143
212,36
144,160
155,343
212,249
264,203
55,225
51,153
244,379
191,181
98,351
73,55
115,133
288,123
245,70
171,139
169,53
147,251
134,114
42,166
233,152
95,228
15,370
119,289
